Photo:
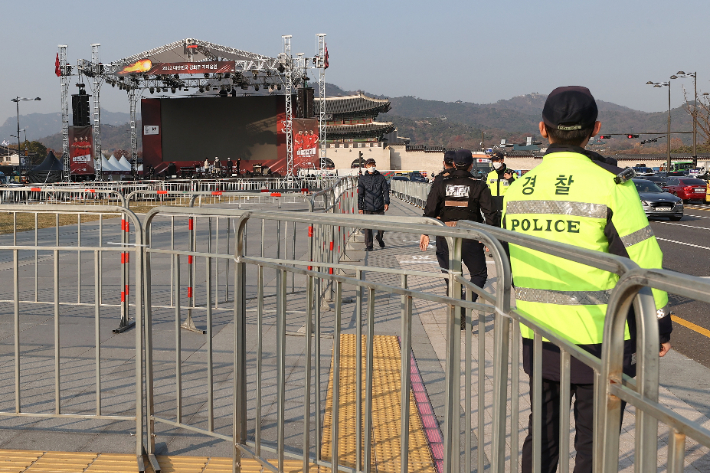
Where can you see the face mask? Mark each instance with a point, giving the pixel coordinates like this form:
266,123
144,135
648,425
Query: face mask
372,169
497,165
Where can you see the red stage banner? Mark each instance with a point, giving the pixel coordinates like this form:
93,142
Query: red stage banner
81,150
305,143
146,66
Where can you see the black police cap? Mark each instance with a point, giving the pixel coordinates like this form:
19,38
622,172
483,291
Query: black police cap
497,155
463,157
449,156
570,108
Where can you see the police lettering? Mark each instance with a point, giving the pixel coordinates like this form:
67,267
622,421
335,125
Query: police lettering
545,225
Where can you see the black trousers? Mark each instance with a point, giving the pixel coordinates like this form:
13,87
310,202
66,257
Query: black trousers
368,231
550,418
471,255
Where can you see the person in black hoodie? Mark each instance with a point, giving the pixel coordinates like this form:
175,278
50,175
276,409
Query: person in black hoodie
373,198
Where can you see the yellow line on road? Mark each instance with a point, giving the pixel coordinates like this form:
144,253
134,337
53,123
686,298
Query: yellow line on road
691,326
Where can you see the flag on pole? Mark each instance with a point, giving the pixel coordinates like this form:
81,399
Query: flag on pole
326,62
57,70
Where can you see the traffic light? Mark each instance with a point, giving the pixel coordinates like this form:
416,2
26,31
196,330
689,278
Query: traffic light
630,136
604,137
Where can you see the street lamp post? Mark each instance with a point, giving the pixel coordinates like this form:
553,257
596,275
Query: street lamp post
17,101
694,75
668,133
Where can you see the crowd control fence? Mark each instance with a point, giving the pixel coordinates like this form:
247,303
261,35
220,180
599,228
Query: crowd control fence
246,342
201,185
412,192
74,279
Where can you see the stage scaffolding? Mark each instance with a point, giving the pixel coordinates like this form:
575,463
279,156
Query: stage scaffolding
277,75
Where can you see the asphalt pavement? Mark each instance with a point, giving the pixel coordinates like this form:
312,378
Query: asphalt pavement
686,249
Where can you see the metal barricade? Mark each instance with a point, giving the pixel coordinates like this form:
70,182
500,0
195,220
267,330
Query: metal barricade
67,278
63,195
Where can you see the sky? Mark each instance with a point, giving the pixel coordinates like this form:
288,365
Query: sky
445,50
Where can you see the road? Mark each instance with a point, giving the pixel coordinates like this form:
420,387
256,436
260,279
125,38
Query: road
686,249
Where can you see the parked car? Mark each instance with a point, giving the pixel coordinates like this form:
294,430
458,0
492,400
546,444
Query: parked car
643,171
659,180
417,177
658,203
400,178
687,188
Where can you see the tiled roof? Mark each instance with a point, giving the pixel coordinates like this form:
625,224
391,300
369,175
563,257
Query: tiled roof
372,130
354,104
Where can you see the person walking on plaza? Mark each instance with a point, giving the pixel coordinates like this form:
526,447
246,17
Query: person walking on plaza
230,165
498,180
207,166
239,165
575,197
458,196
373,198
217,167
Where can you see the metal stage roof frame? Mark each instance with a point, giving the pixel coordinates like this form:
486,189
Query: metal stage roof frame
250,71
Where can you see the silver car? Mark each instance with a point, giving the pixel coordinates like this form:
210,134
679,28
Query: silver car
658,203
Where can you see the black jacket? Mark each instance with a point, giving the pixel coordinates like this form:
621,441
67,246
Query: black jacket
579,372
459,186
373,192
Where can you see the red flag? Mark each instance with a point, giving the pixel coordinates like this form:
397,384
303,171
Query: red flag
57,70
326,62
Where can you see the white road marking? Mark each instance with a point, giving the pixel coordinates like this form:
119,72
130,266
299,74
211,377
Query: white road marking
683,243
682,225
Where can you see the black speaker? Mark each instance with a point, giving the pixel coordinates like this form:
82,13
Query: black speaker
80,109
304,99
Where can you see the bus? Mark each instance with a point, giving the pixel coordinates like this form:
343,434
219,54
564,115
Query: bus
678,166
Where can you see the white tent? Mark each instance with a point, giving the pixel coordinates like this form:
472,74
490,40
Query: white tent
115,165
125,164
140,168
106,166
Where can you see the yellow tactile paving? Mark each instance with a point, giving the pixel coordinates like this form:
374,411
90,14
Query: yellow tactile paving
386,406
179,464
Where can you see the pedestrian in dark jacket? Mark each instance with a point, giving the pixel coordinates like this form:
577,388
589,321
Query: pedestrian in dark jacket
373,198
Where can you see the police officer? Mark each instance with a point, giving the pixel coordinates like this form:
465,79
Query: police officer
448,166
573,198
455,197
498,180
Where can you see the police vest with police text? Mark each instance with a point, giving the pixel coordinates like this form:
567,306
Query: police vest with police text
570,199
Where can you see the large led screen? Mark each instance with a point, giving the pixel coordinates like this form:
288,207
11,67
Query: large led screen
195,128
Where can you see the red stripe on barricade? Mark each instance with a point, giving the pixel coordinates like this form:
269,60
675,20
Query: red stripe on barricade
161,192
126,289
304,191
123,224
216,192
276,194
91,190
331,246
310,231
330,271
265,190
189,292
189,259
189,223
35,189
123,296
128,226
310,268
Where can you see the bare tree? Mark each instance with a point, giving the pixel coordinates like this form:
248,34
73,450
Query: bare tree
701,109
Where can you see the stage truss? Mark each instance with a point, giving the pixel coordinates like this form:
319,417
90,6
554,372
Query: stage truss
280,75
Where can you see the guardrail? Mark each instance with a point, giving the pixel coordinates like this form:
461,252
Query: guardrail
412,192
251,371
79,278
202,185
